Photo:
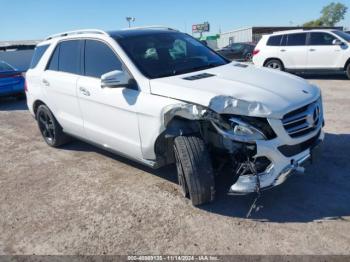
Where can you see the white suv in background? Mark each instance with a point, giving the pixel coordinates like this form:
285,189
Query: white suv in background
305,50
159,96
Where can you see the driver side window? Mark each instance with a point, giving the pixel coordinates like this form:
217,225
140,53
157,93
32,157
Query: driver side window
99,59
321,39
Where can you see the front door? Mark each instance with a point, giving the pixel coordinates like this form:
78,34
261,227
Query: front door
110,116
322,53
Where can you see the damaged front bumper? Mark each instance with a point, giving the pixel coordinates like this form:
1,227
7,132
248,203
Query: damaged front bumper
281,166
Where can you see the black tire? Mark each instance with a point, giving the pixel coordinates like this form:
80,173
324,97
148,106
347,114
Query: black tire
248,57
347,71
195,172
274,64
50,129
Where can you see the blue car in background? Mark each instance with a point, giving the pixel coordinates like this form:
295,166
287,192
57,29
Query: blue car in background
11,81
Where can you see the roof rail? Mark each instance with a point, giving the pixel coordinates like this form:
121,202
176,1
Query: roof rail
151,27
76,32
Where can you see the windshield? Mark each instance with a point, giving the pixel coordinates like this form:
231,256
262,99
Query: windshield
168,54
5,67
343,35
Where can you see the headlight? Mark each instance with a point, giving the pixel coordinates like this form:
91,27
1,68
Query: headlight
244,132
238,130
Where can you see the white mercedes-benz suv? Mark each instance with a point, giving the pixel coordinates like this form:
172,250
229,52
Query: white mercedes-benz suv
305,50
159,96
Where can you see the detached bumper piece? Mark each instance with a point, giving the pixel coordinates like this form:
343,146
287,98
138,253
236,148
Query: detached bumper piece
285,160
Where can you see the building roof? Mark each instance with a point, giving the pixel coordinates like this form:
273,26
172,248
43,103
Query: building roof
19,43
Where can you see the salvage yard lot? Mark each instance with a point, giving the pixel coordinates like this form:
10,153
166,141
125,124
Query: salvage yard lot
81,200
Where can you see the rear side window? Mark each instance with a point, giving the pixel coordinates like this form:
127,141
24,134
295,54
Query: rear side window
53,64
99,59
274,40
68,60
296,39
321,39
38,53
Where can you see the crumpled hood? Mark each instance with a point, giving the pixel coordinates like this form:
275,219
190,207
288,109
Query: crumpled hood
269,93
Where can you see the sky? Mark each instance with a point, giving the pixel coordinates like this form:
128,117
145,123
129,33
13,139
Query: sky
36,19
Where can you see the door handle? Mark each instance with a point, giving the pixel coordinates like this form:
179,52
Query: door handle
45,82
84,91
312,50
283,50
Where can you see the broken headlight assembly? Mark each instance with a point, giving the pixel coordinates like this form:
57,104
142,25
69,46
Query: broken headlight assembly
243,128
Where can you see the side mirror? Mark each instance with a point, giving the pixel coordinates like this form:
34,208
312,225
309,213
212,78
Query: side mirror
337,42
115,78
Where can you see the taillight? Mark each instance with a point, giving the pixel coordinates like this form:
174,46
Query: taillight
255,52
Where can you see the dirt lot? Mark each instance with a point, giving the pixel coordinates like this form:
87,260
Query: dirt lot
81,200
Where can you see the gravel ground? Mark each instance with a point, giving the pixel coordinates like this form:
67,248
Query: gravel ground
82,200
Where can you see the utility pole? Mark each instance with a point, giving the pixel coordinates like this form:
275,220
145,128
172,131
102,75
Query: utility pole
130,19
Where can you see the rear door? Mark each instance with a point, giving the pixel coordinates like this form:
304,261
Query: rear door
322,54
293,51
110,117
59,83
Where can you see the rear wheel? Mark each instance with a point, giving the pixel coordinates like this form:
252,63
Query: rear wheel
248,57
348,71
195,172
274,64
50,129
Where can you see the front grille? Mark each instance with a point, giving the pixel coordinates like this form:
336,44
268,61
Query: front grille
304,120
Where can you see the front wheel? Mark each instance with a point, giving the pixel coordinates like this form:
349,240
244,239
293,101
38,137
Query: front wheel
195,172
274,64
348,71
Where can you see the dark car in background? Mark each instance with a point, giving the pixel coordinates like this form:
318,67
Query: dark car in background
238,51
11,81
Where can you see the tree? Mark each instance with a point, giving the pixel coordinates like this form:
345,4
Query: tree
331,15
314,23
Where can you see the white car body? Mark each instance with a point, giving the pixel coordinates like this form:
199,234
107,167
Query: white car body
131,121
314,54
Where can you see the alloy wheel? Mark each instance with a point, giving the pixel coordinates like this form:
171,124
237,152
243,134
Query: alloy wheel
274,65
46,126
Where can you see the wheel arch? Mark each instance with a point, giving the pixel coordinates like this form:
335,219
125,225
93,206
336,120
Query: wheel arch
177,126
36,105
347,63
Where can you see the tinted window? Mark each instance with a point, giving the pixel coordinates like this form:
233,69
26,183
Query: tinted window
168,53
284,40
38,53
100,59
53,64
274,40
68,60
344,35
321,39
5,67
236,47
296,39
